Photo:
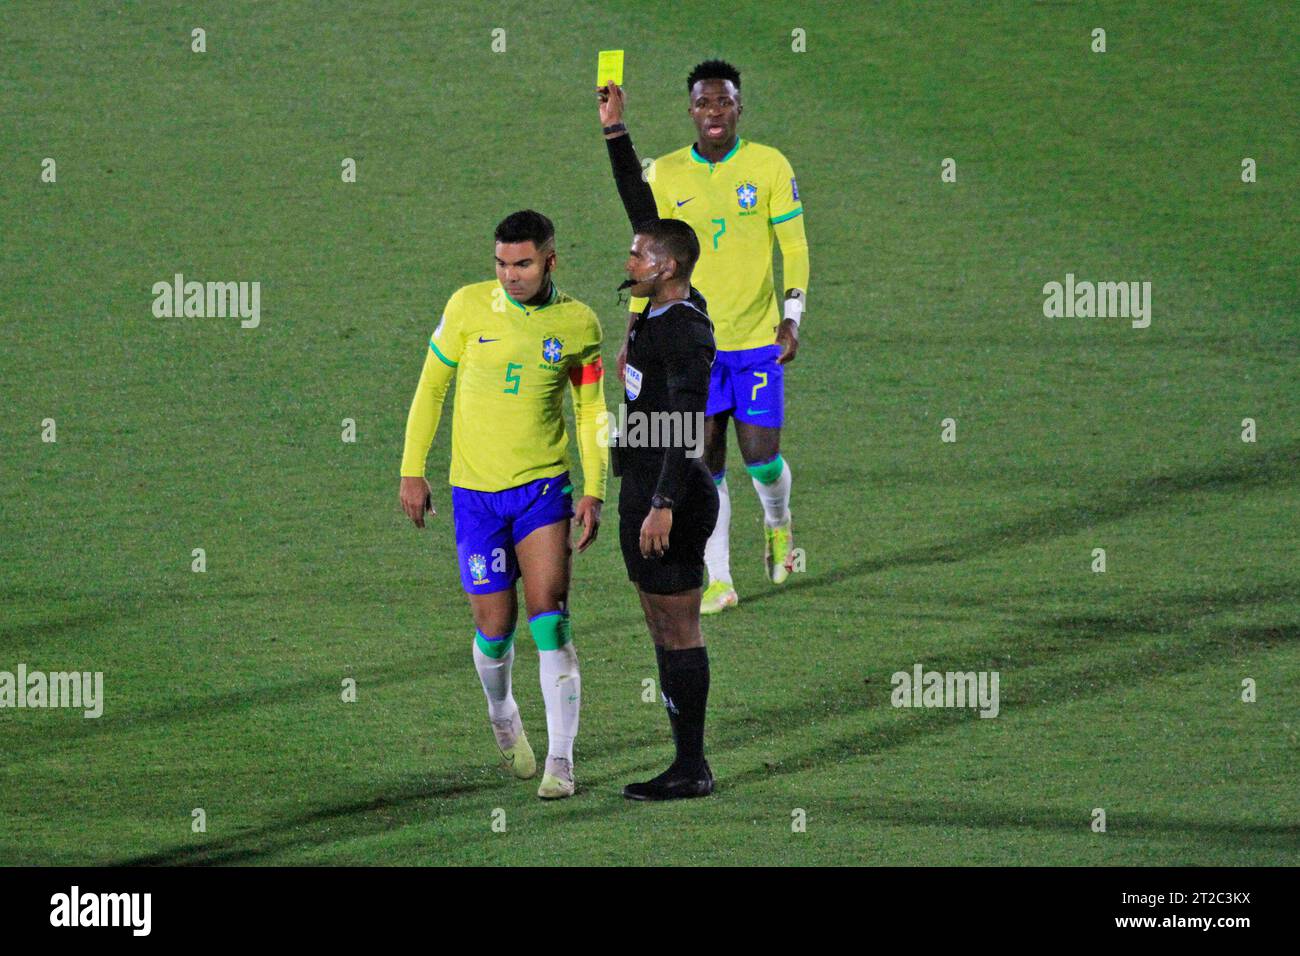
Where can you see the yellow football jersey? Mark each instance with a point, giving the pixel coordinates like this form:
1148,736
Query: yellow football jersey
734,206
511,364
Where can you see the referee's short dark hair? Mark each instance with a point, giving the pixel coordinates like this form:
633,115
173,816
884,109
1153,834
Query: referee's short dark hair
713,70
677,239
525,226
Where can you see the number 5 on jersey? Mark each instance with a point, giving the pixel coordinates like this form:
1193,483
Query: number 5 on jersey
512,376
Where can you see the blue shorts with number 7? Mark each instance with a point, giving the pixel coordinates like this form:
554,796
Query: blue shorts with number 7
750,384
490,523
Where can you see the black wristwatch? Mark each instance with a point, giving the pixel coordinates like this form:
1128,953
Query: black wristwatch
615,128
661,501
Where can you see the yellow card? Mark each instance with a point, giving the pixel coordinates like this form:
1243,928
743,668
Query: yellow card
609,67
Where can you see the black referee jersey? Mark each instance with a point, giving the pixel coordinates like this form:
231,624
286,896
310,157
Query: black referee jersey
669,353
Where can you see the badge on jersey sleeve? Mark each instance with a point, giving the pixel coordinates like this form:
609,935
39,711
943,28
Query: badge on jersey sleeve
632,381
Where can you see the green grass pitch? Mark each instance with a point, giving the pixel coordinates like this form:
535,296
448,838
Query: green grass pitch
1119,690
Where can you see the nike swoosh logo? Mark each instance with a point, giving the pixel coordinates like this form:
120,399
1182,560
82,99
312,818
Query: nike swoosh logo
481,339
757,411
684,202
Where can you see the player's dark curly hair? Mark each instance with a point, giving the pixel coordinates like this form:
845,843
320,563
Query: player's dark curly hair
524,226
677,239
713,70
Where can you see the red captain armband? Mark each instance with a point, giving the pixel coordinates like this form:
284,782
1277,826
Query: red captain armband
586,374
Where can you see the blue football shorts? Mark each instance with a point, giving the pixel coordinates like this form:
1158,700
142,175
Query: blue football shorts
750,384
490,523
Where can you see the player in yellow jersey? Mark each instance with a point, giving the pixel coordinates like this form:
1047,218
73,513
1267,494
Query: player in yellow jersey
740,197
512,344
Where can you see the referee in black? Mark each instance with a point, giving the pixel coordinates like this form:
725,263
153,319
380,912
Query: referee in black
667,503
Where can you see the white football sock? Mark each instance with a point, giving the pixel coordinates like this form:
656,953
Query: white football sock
562,692
717,551
494,672
775,497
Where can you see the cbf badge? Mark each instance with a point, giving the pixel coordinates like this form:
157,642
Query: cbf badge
632,381
478,568
747,196
552,349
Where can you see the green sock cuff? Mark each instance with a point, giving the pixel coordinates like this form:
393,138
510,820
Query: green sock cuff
550,630
768,472
494,647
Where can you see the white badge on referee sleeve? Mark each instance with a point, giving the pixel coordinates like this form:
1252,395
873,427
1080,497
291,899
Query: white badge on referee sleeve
632,381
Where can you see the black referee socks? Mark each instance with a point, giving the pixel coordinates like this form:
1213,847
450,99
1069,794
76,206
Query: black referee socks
660,652
684,676
684,679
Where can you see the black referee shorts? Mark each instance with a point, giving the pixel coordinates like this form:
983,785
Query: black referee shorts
682,566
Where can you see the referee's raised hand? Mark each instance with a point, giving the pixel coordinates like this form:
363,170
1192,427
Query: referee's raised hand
611,98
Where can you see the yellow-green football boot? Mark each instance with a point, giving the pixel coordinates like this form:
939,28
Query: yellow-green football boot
718,596
778,551
557,781
514,747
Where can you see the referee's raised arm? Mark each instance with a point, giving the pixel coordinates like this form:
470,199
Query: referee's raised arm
638,198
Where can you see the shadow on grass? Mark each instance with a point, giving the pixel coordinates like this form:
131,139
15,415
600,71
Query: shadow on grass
1050,642
1119,823
413,799
199,708
1132,663
1162,649
115,610
1279,466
